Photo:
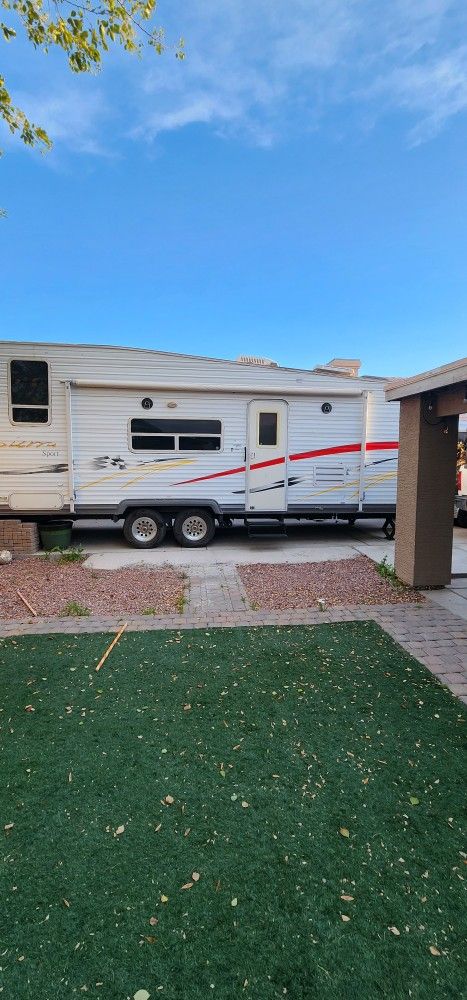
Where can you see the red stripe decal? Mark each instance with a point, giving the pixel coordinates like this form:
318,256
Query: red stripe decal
341,449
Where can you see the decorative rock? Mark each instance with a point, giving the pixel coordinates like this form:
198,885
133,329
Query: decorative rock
5,557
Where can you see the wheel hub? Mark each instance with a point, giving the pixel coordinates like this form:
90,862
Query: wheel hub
194,528
144,529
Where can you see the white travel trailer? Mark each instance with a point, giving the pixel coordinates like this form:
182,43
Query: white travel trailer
160,440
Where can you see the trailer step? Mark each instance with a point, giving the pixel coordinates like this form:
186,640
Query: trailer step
266,529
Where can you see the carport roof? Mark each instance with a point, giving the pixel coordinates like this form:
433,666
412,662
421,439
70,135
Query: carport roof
445,377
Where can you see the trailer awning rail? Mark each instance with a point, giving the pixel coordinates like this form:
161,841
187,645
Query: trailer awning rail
248,390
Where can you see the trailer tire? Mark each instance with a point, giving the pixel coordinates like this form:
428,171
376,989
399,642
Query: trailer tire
194,528
461,519
144,528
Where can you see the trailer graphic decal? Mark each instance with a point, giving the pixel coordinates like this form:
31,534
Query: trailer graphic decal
60,467
292,481
343,449
142,470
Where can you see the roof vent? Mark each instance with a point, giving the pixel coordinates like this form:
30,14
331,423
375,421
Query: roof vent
348,366
251,359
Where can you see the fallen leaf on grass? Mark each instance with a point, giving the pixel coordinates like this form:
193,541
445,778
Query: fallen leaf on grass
149,938
365,781
8,826
395,931
347,899
157,828
141,995
186,708
187,832
195,876
119,830
433,950
188,885
245,804
153,921
344,831
345,918
169,800
164,899
66,903
234,901
29,708
414,801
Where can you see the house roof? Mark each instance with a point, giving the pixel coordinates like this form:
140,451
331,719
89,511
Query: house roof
444,377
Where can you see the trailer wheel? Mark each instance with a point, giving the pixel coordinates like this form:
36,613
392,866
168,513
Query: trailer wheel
144,529
194,528
461,519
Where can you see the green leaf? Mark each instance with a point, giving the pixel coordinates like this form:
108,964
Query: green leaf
414,801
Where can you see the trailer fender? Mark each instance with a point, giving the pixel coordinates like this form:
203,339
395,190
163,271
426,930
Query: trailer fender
167,508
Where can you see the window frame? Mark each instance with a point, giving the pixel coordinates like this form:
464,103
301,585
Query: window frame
278,428
29,406
177,435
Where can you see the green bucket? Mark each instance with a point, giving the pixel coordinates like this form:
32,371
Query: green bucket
56,534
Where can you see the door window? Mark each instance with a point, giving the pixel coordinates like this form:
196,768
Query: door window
267,429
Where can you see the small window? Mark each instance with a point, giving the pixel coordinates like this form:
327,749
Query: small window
199,443
153,425
29,392
267,429
175,434
151,442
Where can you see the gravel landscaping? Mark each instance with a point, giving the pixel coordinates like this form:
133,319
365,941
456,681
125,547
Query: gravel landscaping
72,589
302,585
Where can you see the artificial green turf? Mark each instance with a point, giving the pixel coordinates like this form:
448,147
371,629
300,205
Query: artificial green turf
292,721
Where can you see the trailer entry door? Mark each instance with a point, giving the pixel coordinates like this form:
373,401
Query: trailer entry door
266,455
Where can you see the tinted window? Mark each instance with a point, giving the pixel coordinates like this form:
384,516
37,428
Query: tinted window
199,443
29,381
154,425
21,415
151,443
267,429
175,434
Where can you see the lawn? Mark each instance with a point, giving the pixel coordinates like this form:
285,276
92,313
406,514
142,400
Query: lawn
311,777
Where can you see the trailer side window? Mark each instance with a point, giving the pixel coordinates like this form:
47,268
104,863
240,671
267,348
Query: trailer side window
169,434
267,429
29,392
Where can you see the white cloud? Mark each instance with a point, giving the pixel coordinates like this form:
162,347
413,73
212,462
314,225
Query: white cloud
432,92
265,69
262,69
72,118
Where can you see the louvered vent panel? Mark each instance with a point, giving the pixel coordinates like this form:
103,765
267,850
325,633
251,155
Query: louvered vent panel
329,474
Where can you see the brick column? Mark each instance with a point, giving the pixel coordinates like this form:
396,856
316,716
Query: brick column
425,495
20,538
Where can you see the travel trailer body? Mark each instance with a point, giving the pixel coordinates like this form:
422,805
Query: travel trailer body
156,438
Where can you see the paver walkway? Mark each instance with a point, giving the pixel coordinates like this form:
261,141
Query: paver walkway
216,599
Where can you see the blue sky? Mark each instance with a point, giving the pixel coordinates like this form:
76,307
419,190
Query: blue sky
296,188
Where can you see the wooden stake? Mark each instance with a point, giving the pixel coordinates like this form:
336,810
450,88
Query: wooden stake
31,609
110,648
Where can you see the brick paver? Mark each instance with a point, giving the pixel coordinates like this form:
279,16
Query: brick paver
216,599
